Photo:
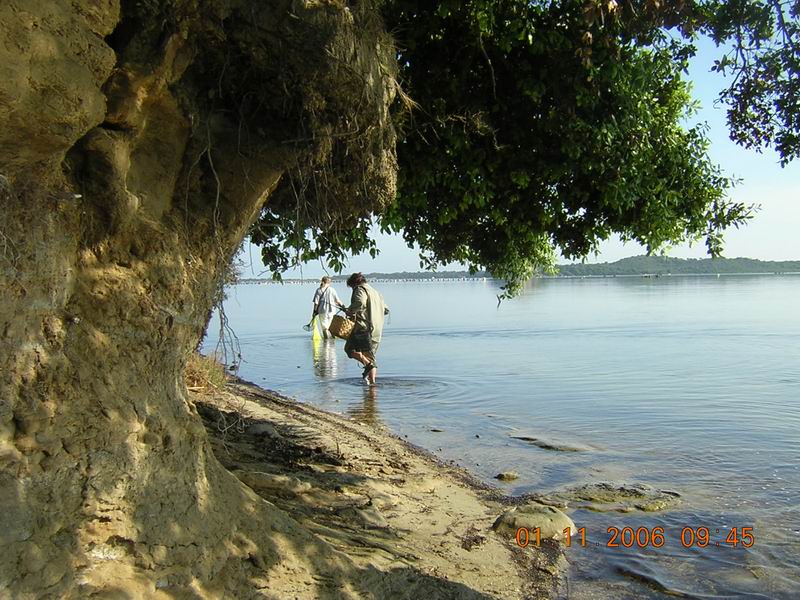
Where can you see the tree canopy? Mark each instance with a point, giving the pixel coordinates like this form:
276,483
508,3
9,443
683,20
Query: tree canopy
530,127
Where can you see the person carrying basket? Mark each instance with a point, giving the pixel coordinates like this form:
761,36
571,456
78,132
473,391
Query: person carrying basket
367,309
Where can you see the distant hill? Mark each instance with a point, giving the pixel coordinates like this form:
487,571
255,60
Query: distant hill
664,265
635,265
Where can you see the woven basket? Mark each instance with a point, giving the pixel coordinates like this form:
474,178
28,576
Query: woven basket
341,327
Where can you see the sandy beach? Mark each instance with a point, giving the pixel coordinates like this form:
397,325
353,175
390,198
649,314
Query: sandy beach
408,525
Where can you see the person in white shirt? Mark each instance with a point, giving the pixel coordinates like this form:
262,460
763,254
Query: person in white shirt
325,302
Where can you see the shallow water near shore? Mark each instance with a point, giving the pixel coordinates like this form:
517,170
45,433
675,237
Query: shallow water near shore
689,384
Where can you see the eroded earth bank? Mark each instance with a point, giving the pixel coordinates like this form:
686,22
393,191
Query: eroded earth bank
139,141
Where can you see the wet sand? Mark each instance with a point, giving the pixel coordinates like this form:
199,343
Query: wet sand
389,506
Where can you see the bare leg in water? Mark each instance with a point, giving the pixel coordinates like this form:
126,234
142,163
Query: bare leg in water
362,358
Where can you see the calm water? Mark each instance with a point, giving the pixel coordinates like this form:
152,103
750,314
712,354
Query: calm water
686,384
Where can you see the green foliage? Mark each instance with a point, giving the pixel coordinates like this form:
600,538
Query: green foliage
551,125
542,128
762,59
288,240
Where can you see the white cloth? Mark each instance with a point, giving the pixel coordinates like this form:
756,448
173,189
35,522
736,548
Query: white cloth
326,301
325,320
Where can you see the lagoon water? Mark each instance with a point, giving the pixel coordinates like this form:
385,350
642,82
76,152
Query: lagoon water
690,384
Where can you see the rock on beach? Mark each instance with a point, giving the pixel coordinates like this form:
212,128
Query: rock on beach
550,521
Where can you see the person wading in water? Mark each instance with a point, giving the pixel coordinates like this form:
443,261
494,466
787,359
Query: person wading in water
325,303
367,308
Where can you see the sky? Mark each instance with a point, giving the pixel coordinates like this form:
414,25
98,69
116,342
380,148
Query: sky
773,233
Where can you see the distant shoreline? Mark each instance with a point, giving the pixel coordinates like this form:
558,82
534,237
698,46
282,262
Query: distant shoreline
445,279
635,266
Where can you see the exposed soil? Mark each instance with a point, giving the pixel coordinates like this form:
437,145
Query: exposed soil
139,141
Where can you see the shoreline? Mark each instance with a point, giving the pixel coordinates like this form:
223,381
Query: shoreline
434,280
388,505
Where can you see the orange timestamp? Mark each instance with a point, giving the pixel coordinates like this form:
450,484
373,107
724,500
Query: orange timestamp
644,537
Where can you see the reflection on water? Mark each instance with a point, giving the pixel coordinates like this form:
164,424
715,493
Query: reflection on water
324,359
367,411
324,350
688,384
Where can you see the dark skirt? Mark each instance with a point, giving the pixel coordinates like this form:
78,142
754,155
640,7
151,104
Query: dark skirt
360,341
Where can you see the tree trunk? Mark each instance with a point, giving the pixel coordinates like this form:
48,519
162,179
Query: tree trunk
137,145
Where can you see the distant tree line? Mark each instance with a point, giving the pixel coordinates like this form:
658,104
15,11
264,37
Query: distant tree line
635,265
664,265
427,275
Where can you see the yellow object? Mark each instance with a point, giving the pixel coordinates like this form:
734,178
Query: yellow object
315,327
316,346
